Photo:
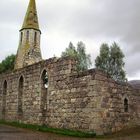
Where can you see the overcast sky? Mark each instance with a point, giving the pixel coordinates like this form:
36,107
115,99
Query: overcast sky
91,21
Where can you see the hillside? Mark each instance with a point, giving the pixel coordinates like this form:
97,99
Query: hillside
135,83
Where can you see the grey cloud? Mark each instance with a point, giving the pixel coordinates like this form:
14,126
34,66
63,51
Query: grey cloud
114,19
133,65
11,11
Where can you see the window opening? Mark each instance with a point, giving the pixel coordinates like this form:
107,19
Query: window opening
125,105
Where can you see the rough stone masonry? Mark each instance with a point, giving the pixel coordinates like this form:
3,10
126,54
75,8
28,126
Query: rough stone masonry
53,93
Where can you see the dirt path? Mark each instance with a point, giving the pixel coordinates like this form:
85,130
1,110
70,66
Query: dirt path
12,133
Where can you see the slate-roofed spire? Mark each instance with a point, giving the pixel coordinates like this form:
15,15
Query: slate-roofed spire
31,18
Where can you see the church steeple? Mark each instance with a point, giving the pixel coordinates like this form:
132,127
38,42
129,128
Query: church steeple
31,18
29,45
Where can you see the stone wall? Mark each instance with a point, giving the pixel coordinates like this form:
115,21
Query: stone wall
88,101
32,97
91,101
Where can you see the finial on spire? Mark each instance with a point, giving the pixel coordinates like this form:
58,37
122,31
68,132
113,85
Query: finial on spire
31,18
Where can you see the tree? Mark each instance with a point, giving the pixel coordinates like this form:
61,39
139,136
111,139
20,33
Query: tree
111,61
7,64
79,53
70,51
102,61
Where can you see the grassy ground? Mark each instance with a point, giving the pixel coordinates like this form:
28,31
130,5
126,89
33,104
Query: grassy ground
13,133
127,134
52,130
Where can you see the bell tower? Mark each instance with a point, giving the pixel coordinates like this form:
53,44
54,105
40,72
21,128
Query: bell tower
29,43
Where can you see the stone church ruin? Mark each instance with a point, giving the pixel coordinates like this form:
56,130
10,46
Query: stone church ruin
51,92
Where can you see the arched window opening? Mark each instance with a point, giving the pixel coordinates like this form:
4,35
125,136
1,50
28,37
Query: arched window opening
21,36
20,94
27,35
35,38
44,91
4,99
125,105
45,79
5,88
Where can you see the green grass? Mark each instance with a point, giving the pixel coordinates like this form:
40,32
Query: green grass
52,130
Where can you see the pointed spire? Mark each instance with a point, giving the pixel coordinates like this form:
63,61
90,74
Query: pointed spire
31,18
